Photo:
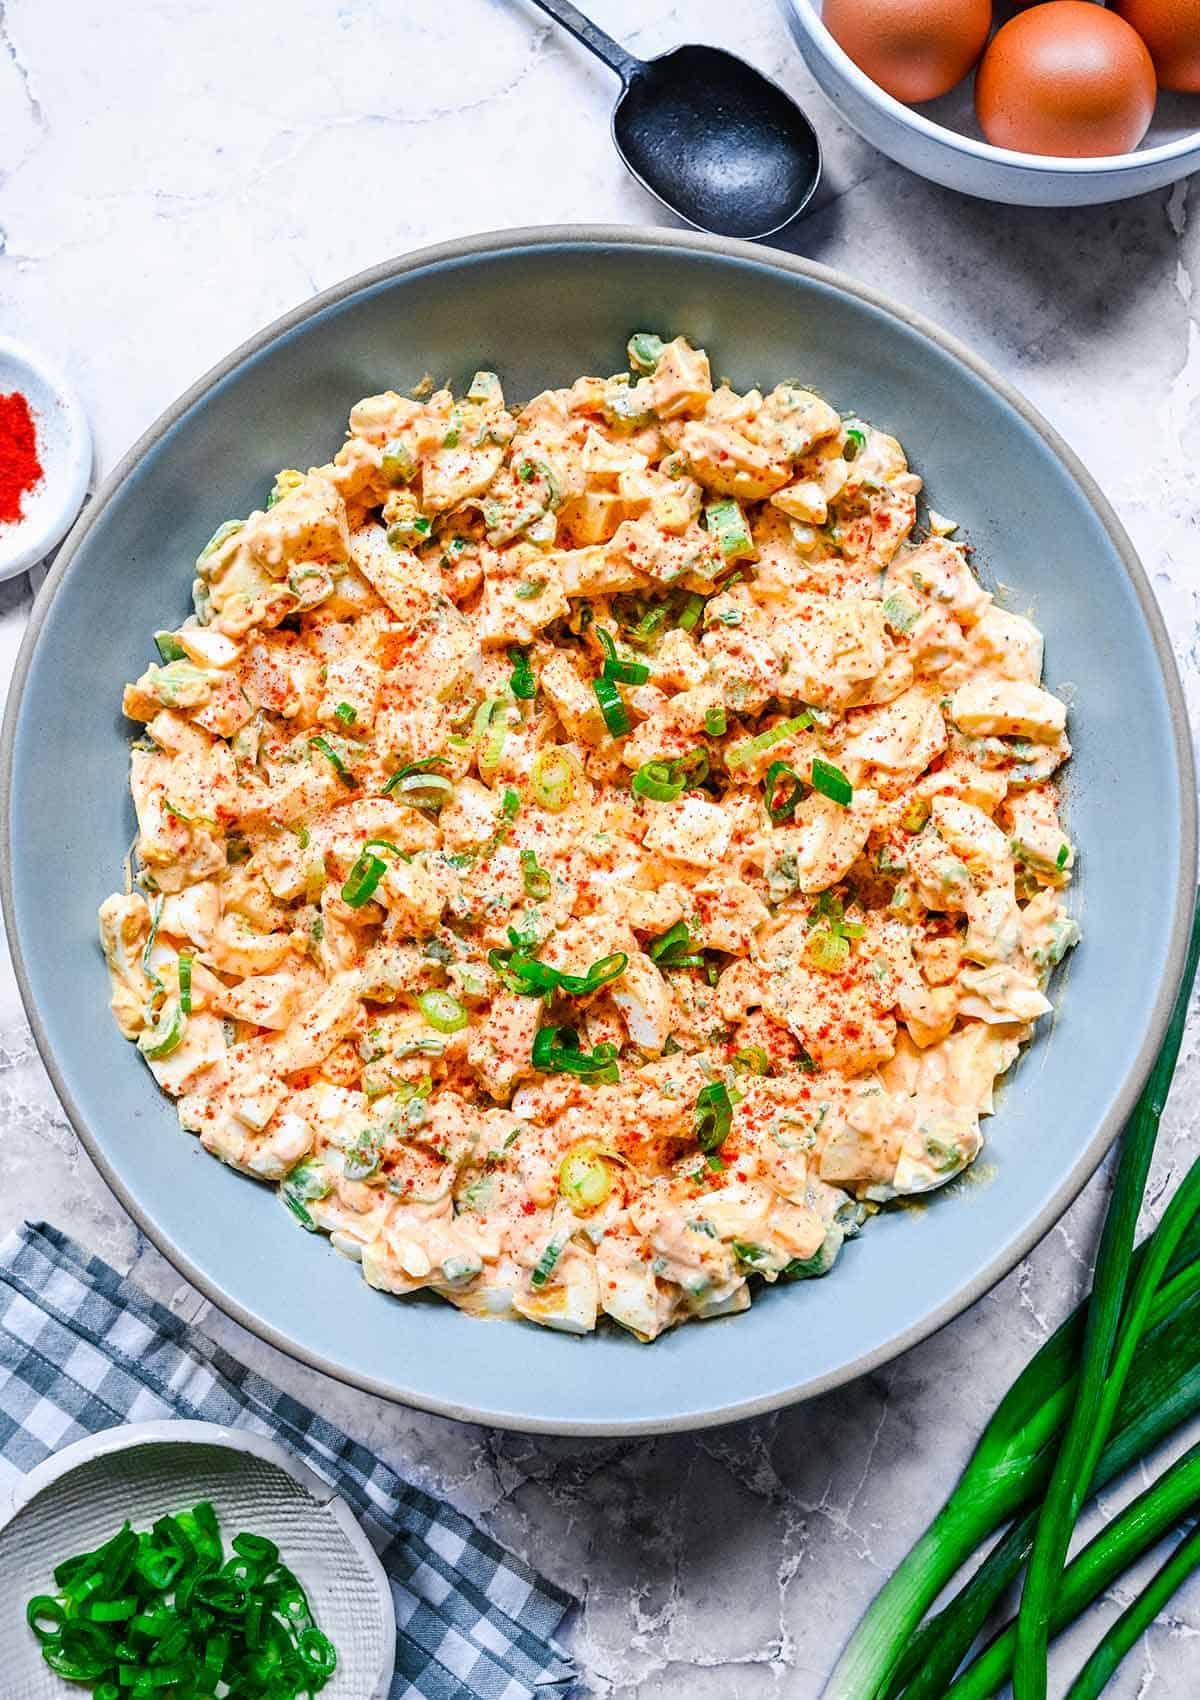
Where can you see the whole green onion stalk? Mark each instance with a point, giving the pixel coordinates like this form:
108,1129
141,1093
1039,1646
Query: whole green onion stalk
1105,1363
1016,1455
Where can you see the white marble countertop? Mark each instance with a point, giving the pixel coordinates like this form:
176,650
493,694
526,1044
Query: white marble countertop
176,173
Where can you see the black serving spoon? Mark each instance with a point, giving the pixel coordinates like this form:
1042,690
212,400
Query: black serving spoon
715,140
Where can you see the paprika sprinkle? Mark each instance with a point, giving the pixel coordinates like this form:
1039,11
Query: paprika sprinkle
20,468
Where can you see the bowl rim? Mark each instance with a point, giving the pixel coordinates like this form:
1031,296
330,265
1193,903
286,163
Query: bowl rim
550,237
186,1431
822,41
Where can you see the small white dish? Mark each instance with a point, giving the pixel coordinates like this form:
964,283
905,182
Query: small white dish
139,1471
941,140
64,443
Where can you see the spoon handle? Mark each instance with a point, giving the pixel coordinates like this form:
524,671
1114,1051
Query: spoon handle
593,37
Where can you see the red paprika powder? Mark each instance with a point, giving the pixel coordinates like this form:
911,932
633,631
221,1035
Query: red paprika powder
20,468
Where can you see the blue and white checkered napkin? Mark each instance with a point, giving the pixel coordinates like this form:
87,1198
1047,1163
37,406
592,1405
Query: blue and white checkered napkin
82,1348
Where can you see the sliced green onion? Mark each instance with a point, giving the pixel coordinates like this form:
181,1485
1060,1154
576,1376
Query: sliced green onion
362,881
658,781
752,1059
331,755
780,807
647,626
522,683
674,948
317,1653
1064,852
227,529
511,804
714,1116
827,951
620,672
585,1180
398,464
741,755
296,1206
664,781
45,1616
689,615
900,612
165,1034
544,1267
616,716
490,730
346,713
645,351
158,1636
360,1160
536,880
527,976
714,722
169,648
404,533
185,981
442,1011
112,1611
856,442
530,589
831,782
556,1051
257,1548
156,910
428,765
552,778
727,526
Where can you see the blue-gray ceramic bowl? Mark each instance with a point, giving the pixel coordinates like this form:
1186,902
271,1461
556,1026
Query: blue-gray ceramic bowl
541,307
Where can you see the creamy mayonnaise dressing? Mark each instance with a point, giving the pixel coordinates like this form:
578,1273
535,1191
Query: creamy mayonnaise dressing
593,855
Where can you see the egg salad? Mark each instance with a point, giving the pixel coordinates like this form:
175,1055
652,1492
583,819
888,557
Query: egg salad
591,856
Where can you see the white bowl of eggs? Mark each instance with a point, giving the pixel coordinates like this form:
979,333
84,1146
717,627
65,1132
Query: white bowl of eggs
1063,103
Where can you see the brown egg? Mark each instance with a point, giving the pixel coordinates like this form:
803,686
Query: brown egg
1066,78
915,49
1171,30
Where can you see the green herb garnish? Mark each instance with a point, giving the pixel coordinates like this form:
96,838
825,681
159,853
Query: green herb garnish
164,1612
674,948
331,755
616,715
741,755
714,1116
534,877
831,782
530,978
556,1051
664,781
782,803
442,1011
620,672
521,683
420,783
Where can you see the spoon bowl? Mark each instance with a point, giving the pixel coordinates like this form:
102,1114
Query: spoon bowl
714,140
717,142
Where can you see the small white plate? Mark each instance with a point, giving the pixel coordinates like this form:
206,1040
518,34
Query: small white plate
83,1494
64,443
